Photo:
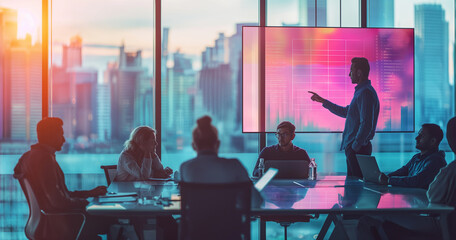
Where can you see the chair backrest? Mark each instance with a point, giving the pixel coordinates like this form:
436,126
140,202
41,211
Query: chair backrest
215,211
32,228
110,172
42,225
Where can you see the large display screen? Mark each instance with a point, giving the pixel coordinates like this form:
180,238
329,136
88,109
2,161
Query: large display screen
300,59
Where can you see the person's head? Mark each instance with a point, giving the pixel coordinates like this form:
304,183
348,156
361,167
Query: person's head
142,140
50,132
359,70
285,133
451,134
205,135
429,137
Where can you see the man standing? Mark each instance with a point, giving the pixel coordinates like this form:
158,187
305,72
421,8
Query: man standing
47,180
361,115
285,150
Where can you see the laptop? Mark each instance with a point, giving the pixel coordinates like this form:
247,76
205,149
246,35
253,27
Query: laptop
289,169
369,167
265,179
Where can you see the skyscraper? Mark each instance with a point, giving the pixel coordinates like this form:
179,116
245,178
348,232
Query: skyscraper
182,80
104,107
381,13
125,83
8,33
84,82
23,73
431,69
72,54
74,93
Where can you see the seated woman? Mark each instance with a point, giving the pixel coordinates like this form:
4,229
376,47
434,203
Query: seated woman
138,160
208,167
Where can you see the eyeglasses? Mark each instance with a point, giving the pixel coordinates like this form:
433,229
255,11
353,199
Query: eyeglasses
282,134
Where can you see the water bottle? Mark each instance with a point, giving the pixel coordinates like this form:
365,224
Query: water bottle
312,169
261,167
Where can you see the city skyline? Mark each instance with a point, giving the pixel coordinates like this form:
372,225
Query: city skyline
190,82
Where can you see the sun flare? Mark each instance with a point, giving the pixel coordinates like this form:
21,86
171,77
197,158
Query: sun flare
27,24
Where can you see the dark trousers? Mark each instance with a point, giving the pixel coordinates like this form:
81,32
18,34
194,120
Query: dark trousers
352,162
95,225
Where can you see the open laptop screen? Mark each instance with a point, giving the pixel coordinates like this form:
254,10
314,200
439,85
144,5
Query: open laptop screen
267,177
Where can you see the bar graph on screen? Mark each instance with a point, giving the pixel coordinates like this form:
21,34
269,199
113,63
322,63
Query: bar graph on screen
298,60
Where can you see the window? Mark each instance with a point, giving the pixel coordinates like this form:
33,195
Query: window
102,73
201,75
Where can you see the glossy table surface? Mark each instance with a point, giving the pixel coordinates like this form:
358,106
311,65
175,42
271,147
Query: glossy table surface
329,194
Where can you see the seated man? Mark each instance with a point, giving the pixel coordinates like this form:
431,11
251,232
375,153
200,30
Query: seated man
424,166
441,190
41,169
285,150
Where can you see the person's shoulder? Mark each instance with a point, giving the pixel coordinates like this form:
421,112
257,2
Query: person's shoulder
368,92
299,149
187,163
438,156
126,156
272,148
451,167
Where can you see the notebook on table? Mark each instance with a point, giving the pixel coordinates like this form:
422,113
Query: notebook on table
289,169
265,179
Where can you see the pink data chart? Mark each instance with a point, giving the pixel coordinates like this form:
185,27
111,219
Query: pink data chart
298,60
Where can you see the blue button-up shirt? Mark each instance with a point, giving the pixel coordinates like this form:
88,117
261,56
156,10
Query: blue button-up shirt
361,116
419,171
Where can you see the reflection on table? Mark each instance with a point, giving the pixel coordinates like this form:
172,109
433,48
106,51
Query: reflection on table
327,195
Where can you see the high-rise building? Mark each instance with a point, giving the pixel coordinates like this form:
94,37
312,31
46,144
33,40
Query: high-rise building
23,73
74,93
126,82
84,82
8,33
381,13
431,66
72,54
182,80
104,107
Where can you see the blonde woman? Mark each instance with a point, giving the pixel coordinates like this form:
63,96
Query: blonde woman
138,160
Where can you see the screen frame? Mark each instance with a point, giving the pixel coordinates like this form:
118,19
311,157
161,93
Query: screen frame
263,80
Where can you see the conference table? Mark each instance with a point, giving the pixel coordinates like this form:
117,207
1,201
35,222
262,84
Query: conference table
332,195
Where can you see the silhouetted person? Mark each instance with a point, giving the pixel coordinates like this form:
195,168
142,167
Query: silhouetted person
361,115
442,190
424,166
284,150
47,179
139,161
208,167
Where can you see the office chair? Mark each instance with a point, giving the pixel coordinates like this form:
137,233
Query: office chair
48,225
110,172
215,211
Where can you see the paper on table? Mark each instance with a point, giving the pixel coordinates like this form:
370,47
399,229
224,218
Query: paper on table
160,179
121,194
101,207
117,199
